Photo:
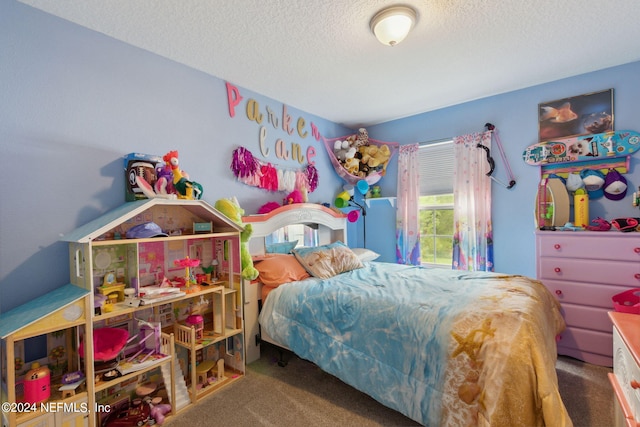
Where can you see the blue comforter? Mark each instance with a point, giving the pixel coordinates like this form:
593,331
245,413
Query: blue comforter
396,333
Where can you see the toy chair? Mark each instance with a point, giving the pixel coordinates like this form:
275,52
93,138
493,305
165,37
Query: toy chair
108,343
107,346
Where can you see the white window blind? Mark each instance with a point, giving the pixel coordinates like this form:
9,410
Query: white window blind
436,168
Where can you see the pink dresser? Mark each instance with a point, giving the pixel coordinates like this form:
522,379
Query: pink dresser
584,269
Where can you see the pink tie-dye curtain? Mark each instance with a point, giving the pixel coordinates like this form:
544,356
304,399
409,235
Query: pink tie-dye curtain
472,239
407,222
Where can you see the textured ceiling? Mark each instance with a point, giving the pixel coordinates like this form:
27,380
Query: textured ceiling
320,56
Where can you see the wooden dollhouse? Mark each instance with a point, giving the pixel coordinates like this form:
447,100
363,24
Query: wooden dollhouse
134,283
58,319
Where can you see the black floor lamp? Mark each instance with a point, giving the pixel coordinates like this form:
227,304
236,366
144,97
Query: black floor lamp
345,199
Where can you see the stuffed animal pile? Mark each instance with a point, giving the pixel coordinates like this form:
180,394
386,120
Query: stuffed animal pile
359,156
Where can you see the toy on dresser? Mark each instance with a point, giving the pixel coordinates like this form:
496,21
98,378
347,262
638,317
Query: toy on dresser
627,224
602,225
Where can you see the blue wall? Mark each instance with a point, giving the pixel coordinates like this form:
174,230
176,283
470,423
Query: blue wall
75,102
515,115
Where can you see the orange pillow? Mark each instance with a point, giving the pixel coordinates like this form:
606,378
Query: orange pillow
277,269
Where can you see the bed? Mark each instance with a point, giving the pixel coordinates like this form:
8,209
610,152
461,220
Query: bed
442,347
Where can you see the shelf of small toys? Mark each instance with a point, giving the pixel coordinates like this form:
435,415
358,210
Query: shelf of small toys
621,164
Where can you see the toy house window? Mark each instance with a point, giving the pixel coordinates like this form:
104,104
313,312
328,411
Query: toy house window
79,258
35,348
230,346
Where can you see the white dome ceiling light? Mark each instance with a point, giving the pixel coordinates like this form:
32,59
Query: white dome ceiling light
393,24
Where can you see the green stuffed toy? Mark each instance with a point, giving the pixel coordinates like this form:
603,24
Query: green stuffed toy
232,210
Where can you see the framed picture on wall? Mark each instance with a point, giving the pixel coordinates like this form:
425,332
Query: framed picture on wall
579,115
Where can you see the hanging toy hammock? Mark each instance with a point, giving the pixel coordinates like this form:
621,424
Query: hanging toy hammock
358,157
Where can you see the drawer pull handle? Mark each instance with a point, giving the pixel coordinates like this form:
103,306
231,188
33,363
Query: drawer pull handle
558,292
636,250
557,246
557,270
637,276
634,384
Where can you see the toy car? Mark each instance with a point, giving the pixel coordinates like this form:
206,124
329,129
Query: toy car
132,416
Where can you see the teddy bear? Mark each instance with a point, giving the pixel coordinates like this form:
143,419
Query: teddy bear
352,165
232,210
375,156
343,150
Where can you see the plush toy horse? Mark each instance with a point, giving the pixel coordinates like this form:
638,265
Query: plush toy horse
186,189
158,412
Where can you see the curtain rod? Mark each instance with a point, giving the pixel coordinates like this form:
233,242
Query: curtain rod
435,142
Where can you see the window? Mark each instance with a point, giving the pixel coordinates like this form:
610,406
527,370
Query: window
436,203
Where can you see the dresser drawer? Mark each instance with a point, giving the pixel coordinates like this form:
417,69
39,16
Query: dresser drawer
585,340
590,271
626,371
592,294
612,245
581,316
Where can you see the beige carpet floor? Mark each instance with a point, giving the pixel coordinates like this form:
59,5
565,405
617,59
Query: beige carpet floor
300,394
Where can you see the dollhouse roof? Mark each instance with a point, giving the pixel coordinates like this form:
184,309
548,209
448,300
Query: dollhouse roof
129,210
36,309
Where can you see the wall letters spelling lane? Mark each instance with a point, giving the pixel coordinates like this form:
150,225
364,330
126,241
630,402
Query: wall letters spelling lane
254,114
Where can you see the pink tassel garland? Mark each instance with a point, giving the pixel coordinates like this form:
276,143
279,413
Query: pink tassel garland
312,176
243,164
251,171
269,180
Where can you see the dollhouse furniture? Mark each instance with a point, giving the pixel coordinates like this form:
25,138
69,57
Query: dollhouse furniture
69,390
584,270
98,248
202,370
197,322
67,309
112,288
625,378
206,370
216,330
36,384
107,344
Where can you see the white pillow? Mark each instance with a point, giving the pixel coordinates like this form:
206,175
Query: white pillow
365,254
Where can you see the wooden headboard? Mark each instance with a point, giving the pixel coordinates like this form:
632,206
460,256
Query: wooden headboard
330,224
